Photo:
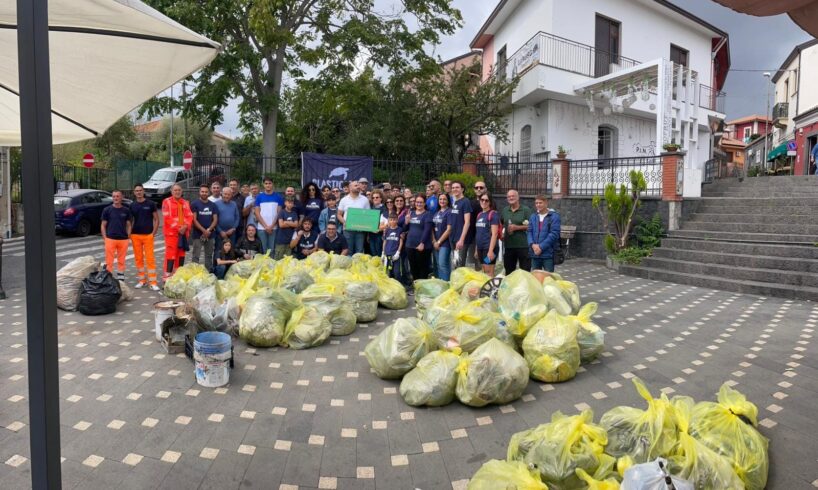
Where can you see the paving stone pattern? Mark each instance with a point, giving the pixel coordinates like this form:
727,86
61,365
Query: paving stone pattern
133,417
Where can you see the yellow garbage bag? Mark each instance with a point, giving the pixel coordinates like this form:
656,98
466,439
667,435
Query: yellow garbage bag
521,298
471,290
177,286
399,347
339,261
318,261
467,328
554,298
595,484
622,465
249,287
391,294
695,462
551,349
493,373
426,290
261,323
464,275
590,337
559,448
331,303
432,381
307,327
499,475
729,428
644,435
448,301
570,292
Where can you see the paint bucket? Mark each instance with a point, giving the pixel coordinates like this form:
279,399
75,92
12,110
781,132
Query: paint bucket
163,310
211,356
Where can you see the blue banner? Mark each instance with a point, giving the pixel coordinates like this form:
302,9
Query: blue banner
332,170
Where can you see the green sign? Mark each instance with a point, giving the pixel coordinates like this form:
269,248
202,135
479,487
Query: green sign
362,220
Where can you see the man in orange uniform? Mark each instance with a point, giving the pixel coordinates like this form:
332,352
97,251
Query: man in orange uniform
176,226
145,226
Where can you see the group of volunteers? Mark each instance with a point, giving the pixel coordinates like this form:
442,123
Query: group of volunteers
420,234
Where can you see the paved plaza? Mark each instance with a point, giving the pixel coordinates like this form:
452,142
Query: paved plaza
133,417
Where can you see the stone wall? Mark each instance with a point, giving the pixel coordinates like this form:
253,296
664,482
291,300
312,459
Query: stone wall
579,212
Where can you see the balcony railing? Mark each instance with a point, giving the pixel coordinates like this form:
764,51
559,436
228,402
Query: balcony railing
712,99
563,54
781,111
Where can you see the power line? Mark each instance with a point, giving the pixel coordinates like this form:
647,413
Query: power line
760,71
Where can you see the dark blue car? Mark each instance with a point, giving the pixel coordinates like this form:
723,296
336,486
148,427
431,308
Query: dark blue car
79,211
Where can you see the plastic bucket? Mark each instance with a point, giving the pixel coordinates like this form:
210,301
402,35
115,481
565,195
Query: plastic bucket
163,310
211,356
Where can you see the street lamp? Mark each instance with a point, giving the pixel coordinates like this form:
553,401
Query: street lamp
767,75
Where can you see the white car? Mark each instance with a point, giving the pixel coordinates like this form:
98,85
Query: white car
158,187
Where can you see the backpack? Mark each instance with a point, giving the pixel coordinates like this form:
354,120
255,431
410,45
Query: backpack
500,229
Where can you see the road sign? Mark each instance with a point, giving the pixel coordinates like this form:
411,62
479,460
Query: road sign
187,159
791,146
88,160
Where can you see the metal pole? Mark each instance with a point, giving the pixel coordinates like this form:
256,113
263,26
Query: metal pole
767,120
184,119
2,292
41,267
171,126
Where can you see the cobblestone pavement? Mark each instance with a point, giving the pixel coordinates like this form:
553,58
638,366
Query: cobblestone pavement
133,417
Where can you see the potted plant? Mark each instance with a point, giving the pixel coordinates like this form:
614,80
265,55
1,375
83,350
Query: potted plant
671,147
562,152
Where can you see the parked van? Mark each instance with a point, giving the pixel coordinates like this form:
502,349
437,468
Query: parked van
158,187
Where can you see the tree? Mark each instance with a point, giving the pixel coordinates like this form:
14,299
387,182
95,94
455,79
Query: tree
114,141
263,40
455,103
618,210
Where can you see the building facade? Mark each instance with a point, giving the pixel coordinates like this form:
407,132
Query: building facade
795,107
607,79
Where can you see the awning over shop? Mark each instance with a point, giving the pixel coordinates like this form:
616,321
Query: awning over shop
777,152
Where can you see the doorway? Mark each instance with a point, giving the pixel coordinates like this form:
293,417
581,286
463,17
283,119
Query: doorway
812,142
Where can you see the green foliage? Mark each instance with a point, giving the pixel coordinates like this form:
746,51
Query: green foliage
620,206
649,232
631,255
754,172
264,40
246,170
468,181
562,150
245,146
610,244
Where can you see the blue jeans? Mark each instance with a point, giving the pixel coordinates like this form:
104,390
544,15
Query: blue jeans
443,263
542,263
268,240
375,244
218,246
220,271
355,240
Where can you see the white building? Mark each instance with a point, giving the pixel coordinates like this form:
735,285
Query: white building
795,107
607,79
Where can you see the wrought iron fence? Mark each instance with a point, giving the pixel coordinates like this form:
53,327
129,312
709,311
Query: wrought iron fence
590,177
529,177
414,174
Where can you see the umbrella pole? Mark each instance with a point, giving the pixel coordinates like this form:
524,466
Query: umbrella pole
41,289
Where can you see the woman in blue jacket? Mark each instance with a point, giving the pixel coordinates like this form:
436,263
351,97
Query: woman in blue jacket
543,235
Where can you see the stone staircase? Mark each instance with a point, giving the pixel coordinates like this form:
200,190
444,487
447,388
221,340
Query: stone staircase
759,236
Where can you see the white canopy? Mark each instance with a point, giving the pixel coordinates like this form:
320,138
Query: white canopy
107,57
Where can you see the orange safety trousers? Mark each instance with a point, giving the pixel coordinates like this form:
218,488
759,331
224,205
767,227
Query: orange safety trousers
115,249
173,254
144,255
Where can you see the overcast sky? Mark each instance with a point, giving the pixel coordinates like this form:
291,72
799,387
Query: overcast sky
756,43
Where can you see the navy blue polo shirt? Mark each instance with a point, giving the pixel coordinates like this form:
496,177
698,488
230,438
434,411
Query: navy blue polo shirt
459,209
143,217
204,213
483,228
116,222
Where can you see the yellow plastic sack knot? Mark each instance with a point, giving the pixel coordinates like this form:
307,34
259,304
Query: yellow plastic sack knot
467,316
622,465
463,365
586,312
737,404
594,484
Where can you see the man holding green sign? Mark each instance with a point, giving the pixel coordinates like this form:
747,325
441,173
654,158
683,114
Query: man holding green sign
355,228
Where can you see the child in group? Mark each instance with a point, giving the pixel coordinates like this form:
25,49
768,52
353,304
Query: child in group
288,221
227,257
393,243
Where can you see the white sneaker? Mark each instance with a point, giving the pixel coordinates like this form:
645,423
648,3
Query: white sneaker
141,284
154,287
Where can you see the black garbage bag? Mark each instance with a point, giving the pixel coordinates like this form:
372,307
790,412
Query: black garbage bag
99,293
